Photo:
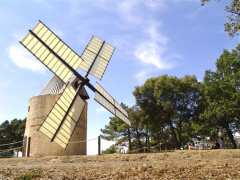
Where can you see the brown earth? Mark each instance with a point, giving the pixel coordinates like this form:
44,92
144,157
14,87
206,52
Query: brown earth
206,164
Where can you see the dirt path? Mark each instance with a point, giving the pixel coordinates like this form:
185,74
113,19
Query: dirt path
214,164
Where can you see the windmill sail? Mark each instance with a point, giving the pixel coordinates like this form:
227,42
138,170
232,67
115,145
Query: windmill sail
109,103
66,130
48,48
96,56
62,119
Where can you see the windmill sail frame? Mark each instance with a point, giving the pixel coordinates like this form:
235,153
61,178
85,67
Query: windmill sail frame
109,103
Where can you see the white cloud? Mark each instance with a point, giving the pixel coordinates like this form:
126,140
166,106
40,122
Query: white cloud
132,11
127,9
151,53
153,50
23,59
155,35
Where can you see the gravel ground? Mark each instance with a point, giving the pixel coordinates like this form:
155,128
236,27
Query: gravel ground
212,164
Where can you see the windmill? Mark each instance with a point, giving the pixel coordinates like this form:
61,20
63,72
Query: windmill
63,62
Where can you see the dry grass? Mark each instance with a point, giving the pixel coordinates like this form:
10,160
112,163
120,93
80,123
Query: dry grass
214,164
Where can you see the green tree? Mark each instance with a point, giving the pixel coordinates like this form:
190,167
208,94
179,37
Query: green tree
170,104
222,94
111,150
123,135
12,131
146,101
232,26
117,131
138,129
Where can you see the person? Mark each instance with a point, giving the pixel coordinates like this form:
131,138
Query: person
221,143
190,146
217,145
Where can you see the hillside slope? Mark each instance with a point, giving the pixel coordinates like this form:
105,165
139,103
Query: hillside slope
214,164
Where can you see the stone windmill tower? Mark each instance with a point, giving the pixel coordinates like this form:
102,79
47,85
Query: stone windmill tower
36,143
57,118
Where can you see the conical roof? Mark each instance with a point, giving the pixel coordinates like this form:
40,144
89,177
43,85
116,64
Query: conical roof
56,86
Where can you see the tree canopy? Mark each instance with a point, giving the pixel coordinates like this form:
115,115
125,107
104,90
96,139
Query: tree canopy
170,111
222,93
10,132
232,26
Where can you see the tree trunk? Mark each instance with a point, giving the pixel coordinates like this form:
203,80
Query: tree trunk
230,136
179,134
147,136
177,144
129,140
146,147
138,139
159,140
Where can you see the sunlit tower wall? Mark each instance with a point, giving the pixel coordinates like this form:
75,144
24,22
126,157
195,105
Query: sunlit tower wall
38,144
